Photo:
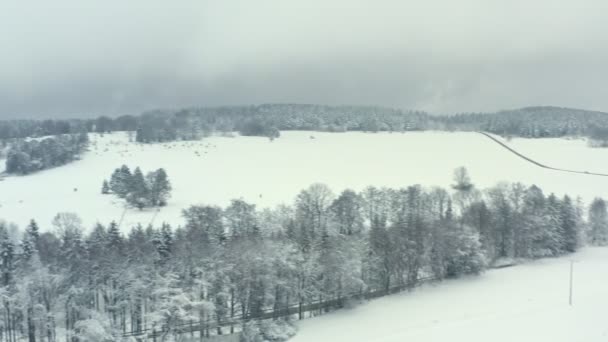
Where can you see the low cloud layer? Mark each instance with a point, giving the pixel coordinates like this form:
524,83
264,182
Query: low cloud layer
85,58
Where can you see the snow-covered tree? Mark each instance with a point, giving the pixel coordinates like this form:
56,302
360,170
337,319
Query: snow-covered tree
172,306
29,244
569,225
241,219
223,265
139,191
347,213
121,180
159,187
105,187
312,213
598,222
163,242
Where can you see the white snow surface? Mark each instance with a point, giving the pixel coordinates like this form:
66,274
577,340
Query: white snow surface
526,303
269,173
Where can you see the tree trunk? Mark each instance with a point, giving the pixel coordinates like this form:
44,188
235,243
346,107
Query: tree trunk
232,304
67,321
50,330
8,322
201,332
31,328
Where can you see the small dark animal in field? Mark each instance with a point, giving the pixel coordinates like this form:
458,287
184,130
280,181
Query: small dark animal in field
75,189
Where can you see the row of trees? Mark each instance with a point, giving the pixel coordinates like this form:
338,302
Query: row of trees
261,120
531,122
269,119
31,128
237,262
598,136
27,156
152,190
18,129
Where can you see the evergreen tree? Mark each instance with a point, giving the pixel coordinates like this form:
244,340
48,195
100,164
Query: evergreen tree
598,222
115,181
121,180
537,233
569,225
138,245
160,187
105,188
7,256
30,240
115,241
97,244
139,192
553,240
73,254
163,242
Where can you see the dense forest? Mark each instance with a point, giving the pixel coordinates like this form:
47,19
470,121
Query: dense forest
31,155
223,266
269,119
535,122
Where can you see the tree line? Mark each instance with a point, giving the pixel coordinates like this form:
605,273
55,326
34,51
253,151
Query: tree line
19,129
240,261
532,122
269,119
27,156
150,191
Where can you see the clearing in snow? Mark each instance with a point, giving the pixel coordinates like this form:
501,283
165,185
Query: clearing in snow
218,169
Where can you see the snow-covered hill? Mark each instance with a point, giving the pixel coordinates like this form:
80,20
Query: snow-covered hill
217,169
526,303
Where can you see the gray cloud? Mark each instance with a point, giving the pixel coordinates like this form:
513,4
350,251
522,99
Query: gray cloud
74,58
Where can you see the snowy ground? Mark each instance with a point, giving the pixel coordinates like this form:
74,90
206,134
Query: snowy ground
522,303
558,152
217,169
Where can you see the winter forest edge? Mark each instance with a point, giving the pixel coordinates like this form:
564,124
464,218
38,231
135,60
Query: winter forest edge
231,269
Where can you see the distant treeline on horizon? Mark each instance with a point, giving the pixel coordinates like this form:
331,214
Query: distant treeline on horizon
269,119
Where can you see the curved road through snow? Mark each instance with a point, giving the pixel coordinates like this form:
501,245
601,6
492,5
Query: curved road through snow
537,163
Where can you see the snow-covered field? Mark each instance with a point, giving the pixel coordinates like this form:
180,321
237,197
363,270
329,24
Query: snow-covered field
526,303
558,153
217,169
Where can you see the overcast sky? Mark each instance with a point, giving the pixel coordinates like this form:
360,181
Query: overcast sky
92,57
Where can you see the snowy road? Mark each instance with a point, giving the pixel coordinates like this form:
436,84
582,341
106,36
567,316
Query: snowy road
538,163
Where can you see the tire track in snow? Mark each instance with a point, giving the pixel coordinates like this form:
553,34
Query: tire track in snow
528,159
